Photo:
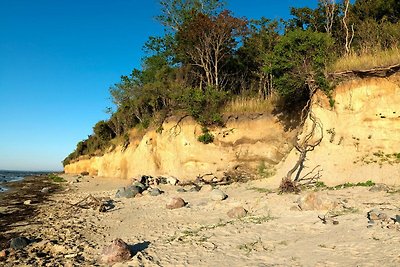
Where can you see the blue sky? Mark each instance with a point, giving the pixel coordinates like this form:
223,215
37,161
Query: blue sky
58,59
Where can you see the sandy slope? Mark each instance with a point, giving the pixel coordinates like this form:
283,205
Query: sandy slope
274,233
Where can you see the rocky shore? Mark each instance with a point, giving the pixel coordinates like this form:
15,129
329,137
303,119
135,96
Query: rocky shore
92,221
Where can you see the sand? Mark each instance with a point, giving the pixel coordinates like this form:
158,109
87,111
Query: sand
274,232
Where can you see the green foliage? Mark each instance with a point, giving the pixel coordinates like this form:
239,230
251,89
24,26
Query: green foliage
55,178
206,137
298,57
204,106
368,183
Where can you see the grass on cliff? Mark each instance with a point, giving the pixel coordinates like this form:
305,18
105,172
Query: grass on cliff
250,105
370,60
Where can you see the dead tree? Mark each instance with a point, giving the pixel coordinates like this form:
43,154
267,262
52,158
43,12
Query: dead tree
349,36
330,7
306,144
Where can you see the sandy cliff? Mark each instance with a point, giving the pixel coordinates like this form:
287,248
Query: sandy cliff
245,142
361,134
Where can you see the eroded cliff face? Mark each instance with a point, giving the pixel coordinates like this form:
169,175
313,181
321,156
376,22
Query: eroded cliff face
245,142
361,135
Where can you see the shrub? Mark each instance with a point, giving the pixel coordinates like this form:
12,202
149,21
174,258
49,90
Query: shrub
206,137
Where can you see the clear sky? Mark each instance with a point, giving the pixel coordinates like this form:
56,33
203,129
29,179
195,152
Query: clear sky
59,57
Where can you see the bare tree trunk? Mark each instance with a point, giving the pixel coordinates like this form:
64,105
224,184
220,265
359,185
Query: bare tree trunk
307,144
349,37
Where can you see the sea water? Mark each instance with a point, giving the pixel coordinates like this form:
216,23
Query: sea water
13,176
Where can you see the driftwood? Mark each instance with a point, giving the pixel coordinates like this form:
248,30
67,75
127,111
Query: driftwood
374,72
94,203
326,218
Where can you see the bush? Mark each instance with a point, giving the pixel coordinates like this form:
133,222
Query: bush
206,137
203,105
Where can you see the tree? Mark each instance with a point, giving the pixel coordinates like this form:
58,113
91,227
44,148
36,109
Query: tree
299,58
174,13
208,42
254,56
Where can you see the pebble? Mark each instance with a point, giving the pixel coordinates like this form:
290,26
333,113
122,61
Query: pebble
19,243
172,180
176,203
3,253
155,192
45,190
237,212
218,195
28,202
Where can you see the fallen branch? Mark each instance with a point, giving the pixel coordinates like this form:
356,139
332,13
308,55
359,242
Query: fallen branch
94,203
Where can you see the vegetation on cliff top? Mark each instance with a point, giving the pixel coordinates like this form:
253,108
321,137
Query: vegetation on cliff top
210,61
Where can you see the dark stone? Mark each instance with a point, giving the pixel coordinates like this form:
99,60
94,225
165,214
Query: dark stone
84,173
155,192
19,243
141,186
181,190
128,192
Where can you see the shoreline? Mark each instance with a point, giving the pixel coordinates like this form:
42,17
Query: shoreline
13,211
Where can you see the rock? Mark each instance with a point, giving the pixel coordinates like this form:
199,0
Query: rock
117,251
237,212
3,254
45,190
397,219
206,188
316,201
127,192
181,190
194,189
383,216
218,195
176,203
155,192
373,215
28,202
379,188
172,180
19,243
84,173
140,185
58,249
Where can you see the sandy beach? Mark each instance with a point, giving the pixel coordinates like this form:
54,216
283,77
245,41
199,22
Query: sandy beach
331,230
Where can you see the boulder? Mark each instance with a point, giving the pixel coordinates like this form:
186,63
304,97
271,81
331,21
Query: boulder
176,203
237,212
117,251
19,242
140,185
127,192
218,195
316,201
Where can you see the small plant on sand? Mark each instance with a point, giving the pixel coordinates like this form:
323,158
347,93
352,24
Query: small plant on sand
206,137
55,178
368,183
264,170
261,190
